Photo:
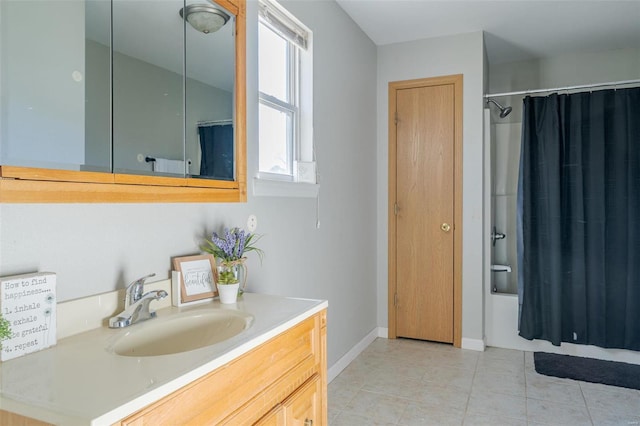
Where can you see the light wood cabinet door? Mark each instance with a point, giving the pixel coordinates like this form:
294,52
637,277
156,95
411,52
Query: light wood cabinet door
274,418
303,407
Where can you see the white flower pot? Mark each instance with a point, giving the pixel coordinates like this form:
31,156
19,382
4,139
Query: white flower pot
228,292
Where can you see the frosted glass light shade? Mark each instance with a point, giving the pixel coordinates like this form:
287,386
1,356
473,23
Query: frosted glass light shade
204,17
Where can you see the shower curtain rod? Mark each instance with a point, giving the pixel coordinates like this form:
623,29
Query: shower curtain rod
560,89
214,122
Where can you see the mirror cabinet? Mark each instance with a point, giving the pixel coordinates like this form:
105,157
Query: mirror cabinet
122,101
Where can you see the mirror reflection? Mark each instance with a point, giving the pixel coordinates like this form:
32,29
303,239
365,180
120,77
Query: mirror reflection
154,97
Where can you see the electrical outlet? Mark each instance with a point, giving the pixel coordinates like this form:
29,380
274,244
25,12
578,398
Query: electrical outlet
306,171
252,223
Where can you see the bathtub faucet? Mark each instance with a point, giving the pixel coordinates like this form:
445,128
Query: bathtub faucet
496,236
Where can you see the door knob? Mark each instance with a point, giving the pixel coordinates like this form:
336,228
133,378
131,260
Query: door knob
445,227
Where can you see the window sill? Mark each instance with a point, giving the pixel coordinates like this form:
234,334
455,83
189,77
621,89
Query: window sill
277,188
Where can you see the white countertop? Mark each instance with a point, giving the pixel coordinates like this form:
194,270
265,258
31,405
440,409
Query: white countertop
80,382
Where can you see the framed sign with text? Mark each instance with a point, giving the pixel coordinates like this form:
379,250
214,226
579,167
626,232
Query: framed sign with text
198,275
28,302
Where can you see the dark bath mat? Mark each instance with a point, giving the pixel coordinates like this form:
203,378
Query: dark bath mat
588,369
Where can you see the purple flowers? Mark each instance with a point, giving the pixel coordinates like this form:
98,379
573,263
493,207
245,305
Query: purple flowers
232,245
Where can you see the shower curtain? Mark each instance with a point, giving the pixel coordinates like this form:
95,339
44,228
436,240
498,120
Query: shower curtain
216,147
579,225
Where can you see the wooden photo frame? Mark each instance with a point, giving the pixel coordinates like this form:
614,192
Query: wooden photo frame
198,277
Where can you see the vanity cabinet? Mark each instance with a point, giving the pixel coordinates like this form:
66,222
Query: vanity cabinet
303,407
281,382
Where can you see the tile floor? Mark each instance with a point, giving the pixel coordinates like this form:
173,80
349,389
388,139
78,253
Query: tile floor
406,382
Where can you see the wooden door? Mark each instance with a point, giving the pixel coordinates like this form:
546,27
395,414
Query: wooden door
425,185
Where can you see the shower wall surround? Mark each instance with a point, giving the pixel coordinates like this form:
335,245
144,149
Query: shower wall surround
505,151
501,309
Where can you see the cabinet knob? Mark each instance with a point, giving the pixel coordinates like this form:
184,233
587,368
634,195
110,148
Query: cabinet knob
445,227
308,422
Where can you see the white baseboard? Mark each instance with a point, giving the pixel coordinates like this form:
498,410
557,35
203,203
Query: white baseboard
473,344
383,332
353,353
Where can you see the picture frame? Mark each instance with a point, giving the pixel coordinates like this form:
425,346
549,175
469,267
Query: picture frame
198,277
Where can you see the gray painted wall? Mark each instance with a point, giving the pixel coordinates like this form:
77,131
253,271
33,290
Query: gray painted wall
97,126
42,92
460,54
143,120
565,70
98,248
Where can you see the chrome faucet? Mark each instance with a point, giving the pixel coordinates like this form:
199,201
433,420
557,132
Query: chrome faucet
136,304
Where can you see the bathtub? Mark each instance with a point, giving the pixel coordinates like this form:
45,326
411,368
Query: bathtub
501,158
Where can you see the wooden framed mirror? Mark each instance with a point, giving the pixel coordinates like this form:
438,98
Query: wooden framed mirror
112,168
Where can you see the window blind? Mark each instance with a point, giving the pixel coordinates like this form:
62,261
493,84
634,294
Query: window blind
284,24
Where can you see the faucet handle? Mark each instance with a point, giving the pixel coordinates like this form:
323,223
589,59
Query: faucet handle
134,290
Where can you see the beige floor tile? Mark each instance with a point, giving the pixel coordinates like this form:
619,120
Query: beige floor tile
332,413
546,389
382,408
395,386
436,395
381,346
449,376
529,363
483,420
606,418
460,359
612,400
340,394
606,388
400,370
551,413
533,376
504,366
425,415
407,382
351,419
499,382
415,356
483,403
503,354
372,360
351,377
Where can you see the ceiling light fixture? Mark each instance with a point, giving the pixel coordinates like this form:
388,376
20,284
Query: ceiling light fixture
205,18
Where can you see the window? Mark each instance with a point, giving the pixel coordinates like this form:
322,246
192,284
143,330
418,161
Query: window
285,95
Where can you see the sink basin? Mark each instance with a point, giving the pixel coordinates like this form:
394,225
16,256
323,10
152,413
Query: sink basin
181,332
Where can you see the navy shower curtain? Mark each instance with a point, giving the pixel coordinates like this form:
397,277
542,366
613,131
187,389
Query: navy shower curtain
579,195
216,147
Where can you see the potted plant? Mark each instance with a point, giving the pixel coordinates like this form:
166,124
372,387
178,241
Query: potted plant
5,329
229,250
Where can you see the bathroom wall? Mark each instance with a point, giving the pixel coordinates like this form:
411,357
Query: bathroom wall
55,41
570,69
138,111
98,248
460,54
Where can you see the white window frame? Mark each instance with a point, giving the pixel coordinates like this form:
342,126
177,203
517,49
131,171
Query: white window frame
304,176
